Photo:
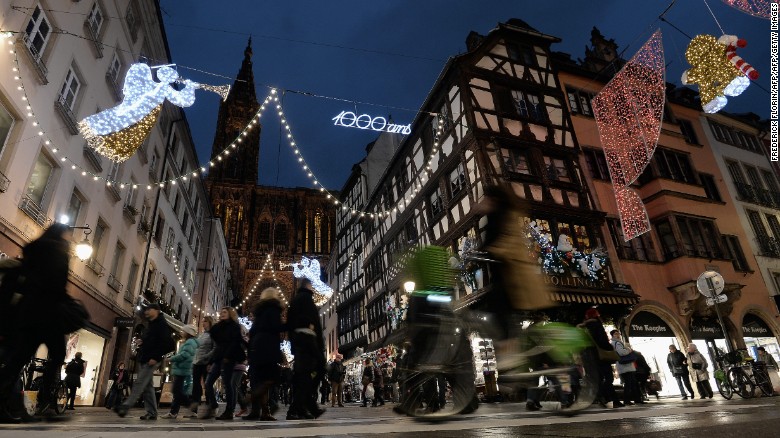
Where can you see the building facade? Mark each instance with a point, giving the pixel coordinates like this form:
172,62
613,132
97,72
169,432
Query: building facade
68,61
699,221
260,220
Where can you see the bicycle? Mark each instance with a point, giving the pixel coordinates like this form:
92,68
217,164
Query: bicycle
437,371
30,382
735,376
760,377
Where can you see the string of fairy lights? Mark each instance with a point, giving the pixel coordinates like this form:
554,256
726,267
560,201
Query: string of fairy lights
267,266
187,295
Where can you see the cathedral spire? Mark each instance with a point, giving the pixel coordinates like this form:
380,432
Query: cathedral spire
234,114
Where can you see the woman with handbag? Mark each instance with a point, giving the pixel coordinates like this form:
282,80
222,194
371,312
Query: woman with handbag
117,392
700,375
626,369
45,271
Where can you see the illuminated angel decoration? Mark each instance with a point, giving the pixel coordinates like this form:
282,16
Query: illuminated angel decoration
717,70
310,268
628,112
119,131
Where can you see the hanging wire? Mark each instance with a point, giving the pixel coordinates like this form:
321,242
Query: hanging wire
723,32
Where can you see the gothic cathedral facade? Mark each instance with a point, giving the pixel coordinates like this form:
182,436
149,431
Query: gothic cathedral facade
258,221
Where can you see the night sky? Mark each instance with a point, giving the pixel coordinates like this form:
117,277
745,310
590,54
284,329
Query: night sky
389,54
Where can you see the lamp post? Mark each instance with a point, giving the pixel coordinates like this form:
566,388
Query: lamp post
409,286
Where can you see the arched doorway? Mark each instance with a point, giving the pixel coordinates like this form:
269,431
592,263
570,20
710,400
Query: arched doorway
756,333
651,333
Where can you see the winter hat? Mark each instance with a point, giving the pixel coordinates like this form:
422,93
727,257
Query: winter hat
190,330
592,313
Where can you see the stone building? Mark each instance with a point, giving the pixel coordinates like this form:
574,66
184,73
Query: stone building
260,220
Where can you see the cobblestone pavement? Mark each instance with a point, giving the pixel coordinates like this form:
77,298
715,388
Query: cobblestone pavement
755,418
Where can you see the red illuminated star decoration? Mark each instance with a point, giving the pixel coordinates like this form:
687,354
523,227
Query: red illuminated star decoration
756,8
628,111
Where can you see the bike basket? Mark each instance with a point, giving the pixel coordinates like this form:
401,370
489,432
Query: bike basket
734,357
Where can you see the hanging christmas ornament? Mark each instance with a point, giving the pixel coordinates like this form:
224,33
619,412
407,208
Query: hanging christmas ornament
756,8
717,69
119,131
628,112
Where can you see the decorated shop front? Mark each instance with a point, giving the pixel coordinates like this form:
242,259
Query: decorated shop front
652,335
756,333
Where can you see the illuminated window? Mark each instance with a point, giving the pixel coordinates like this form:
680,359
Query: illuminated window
318,232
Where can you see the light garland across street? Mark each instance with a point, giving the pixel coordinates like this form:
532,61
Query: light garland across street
253,289
187,295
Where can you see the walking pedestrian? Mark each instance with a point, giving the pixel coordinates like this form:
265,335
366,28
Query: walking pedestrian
642,374
379,385
200,365
336,373
305,332
700,375
678,365
230,350
43,315
368,379
181,369
265,354
117,392
74,371
285,385
595,328
155,343
238,380
627,371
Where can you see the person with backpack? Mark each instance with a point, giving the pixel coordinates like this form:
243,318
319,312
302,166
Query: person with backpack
74,370
155,343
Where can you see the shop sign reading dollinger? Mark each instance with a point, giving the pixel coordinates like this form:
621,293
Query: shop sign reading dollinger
364,121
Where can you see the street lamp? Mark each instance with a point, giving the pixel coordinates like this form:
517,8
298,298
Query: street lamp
84,248
409,287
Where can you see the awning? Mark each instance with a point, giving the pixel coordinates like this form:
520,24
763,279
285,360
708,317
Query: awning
594,297
646,324
755,327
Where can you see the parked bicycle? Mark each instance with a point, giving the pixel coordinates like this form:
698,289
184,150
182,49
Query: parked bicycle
31,382
741,374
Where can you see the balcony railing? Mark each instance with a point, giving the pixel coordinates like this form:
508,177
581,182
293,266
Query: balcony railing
34,211
755,195
144,227
745,192
4,182
130,213
94,159
67,115
35,58
96,267
769,246
113,192
114,283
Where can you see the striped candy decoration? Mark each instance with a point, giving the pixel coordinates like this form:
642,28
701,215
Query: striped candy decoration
732,42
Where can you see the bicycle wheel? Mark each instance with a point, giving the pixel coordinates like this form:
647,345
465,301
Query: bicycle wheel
741,383
60,397
724,388
438,373
762,381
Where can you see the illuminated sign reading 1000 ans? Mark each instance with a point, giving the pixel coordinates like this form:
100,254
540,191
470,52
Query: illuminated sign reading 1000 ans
364,121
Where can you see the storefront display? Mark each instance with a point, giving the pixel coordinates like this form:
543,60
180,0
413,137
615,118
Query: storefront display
91,347
652,336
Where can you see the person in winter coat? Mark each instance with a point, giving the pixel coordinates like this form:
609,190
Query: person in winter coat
200,365
626,371
678,365
121,378
265,353
642,373
367,379
155,343
336,374
596,329
379,385
230,350
73,372
305,333
765,357
44,270
181,369
700,375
